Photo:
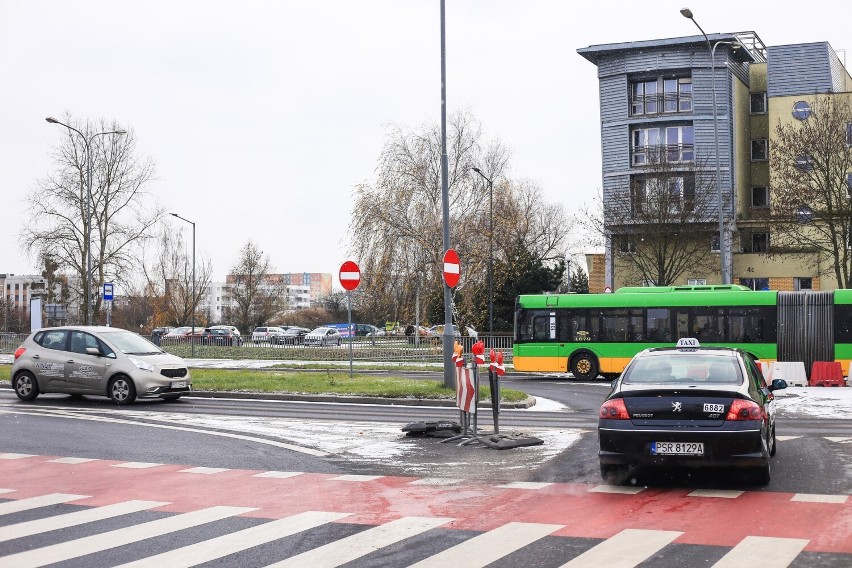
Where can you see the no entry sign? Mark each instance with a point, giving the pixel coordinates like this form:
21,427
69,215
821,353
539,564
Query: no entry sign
350,275
452,268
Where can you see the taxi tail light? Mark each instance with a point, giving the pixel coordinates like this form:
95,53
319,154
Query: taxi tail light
614,409
744,410
19,351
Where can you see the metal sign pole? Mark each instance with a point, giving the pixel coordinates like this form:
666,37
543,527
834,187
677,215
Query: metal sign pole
349,310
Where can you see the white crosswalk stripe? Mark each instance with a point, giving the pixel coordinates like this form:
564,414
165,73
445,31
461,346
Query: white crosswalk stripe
627,549
35,502
120,537
763,551
237,541
67,520
363,543
490,546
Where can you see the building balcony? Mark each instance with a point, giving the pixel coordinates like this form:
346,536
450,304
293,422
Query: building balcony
648,156
650,105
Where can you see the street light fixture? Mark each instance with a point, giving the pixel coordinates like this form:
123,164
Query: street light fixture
723,251
88,227
192,302
490,250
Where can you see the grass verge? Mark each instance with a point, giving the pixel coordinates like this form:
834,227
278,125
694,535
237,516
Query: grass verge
331,382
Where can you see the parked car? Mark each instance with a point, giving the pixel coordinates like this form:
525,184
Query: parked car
438,330
219,336
689,406
105,361
263,334
232,328
183,334
158,333
292,336
323,336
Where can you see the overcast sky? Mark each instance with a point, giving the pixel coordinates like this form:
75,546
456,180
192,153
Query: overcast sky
262,116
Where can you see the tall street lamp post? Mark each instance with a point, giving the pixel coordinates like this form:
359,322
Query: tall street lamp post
490,250
88,227
723,250
192,302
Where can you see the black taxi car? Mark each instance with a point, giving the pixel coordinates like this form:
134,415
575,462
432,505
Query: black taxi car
689,406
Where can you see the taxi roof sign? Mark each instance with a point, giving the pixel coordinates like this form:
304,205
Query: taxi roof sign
687,343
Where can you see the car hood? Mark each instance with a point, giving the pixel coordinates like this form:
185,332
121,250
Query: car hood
160,359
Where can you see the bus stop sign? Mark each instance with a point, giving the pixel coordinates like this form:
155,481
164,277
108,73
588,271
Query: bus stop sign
108,291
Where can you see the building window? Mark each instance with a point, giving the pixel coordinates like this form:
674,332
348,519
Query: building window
654,194
755,283
849,185
675,143
758,103
696,282
759,242
849,133
626,244
656,96
805,163
803,283
760,196
714,243
759,150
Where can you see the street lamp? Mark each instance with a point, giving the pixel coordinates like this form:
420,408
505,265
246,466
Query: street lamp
88,227
490,250
723,251
192,302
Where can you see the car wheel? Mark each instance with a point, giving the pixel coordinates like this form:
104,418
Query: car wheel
762,475
584,365
614,474
773,448
121,390
26,386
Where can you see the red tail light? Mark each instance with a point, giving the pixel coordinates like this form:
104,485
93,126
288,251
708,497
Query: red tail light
18,352
614,410
744,410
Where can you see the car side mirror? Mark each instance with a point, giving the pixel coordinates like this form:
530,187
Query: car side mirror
778,384
93,351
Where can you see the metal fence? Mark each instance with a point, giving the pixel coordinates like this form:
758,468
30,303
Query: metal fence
390,349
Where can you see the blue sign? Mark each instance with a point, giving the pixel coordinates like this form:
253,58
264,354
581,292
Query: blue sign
108,292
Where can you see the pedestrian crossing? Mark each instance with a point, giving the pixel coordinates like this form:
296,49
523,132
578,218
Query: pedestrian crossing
627,548
106,513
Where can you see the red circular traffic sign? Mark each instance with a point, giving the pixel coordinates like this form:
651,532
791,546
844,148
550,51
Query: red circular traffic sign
350,275
452,268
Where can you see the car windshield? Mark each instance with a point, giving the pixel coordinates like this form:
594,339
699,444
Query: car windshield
130,343
685,368
320,330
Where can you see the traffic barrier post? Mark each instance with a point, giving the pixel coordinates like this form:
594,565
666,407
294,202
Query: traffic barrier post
827,374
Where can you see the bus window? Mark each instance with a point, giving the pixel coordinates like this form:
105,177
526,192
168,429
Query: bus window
541,327
708,324
623,325
682,321
533,325
843,323
574,326
659,325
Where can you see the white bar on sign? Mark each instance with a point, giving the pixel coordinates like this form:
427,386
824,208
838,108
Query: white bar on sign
451,268
350,275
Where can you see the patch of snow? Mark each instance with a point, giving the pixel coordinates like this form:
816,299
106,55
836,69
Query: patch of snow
818,402
546,405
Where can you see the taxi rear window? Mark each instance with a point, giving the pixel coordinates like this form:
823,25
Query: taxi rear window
685,368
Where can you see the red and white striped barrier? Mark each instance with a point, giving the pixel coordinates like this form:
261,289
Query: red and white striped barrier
465,391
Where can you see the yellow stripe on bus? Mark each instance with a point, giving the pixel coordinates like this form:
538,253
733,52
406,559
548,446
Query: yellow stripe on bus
560,364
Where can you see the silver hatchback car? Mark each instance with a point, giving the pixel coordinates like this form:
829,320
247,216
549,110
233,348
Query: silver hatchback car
97,360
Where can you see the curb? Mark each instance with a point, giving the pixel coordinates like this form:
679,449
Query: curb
526,403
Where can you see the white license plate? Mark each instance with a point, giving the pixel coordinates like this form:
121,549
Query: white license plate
677,448
714,407
178,384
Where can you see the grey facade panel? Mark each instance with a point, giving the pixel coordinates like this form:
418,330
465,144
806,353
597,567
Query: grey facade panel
615,141
799,69
613,93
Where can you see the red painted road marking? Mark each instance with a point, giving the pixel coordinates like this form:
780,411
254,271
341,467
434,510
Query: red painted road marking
581,510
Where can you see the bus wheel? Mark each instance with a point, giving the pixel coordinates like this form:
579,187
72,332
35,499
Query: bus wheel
584,365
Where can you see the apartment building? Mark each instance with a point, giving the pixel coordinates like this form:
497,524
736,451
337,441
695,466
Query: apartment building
693,104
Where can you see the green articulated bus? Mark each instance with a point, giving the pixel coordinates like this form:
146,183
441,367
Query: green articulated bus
597,334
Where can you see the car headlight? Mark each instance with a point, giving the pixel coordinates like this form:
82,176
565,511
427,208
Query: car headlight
143,365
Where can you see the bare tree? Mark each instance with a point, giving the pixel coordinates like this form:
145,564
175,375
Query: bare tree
660,225
257,295
397,231
59,221
169,280
811,163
